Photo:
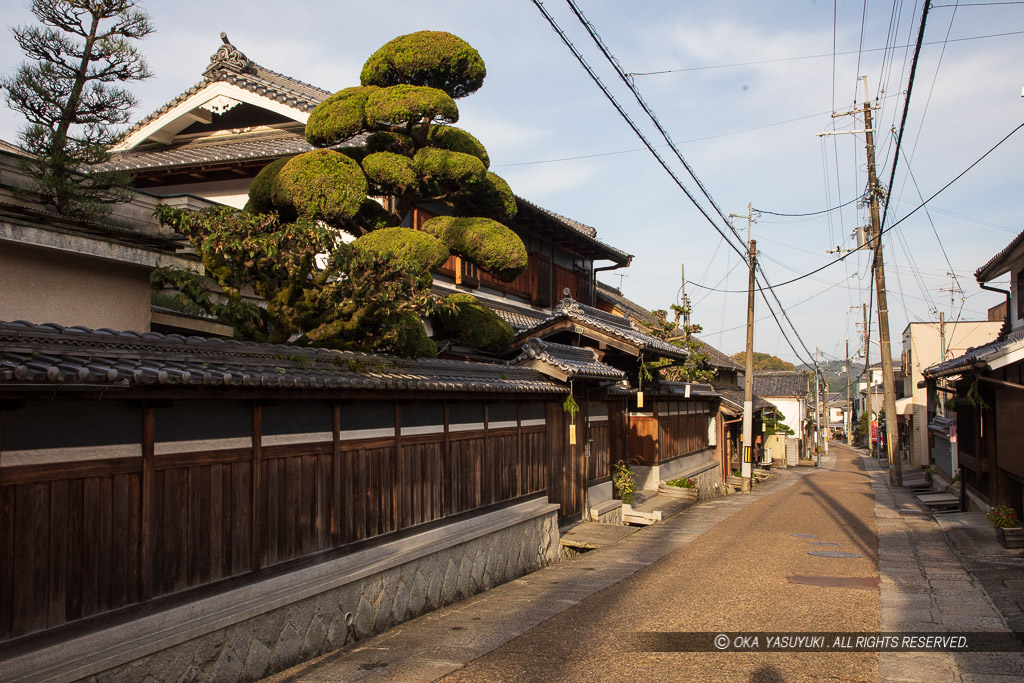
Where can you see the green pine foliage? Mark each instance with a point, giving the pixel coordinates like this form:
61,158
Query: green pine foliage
410,103
473,324
457,140
390,173
373,293
482,241
338,117
68,92
323,184
427,58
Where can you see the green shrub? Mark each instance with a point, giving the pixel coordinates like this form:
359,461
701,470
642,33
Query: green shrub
457,140
339,117
489,196
322,184
389,171
373,216
474,325
429,58
386,141
412,340
485,242
401,104
261,189
682,483
414,251
444,166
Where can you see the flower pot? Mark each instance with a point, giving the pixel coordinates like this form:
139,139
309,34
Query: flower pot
1012,537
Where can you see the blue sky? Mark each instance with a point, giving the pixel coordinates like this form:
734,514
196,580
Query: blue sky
748,131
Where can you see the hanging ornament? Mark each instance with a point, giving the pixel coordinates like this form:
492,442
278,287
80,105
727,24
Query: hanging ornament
640,398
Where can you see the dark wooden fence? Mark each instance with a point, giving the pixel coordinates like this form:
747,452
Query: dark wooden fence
672,429
207,490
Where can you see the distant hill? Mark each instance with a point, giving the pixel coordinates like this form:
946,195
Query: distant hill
763,361
835,370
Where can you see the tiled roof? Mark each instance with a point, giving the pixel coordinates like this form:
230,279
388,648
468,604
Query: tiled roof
781,383
732,395
615,325
517,319
678,389
978,357
12,149
996,265
17,214
228,65
573,361
638,312
72,357
272,144
575,227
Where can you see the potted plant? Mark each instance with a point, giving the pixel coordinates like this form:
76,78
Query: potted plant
624,482
684,488
1008,530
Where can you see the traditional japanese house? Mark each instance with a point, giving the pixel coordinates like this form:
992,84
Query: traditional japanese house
726,437
160,493
788,391
73,271
659,430
211,140
979,433
235,506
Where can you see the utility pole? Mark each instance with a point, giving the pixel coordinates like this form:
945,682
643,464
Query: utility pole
875,238
888,384
817,416
746,469
849,405
684,300
746,466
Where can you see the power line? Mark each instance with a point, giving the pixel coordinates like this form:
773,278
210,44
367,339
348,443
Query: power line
592,31
583,62
884,230
827,54
906,110
812,213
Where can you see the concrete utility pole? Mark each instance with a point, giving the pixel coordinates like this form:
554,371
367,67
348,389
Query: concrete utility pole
817,415
849,404
746,464
746,469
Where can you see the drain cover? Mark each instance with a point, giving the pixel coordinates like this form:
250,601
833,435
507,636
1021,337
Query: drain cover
804,536
825,543
831,553
858,582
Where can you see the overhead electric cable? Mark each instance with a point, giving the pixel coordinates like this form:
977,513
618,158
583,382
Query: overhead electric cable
906,110
884,230
592,31
827,54
583,62
811,213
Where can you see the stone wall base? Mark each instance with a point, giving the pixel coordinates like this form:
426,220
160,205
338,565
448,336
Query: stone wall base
248,633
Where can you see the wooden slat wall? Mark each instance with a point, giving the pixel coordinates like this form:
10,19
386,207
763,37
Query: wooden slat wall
600,451
660,436
79,539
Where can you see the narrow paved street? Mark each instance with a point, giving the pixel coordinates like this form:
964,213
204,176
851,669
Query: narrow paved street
740,563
